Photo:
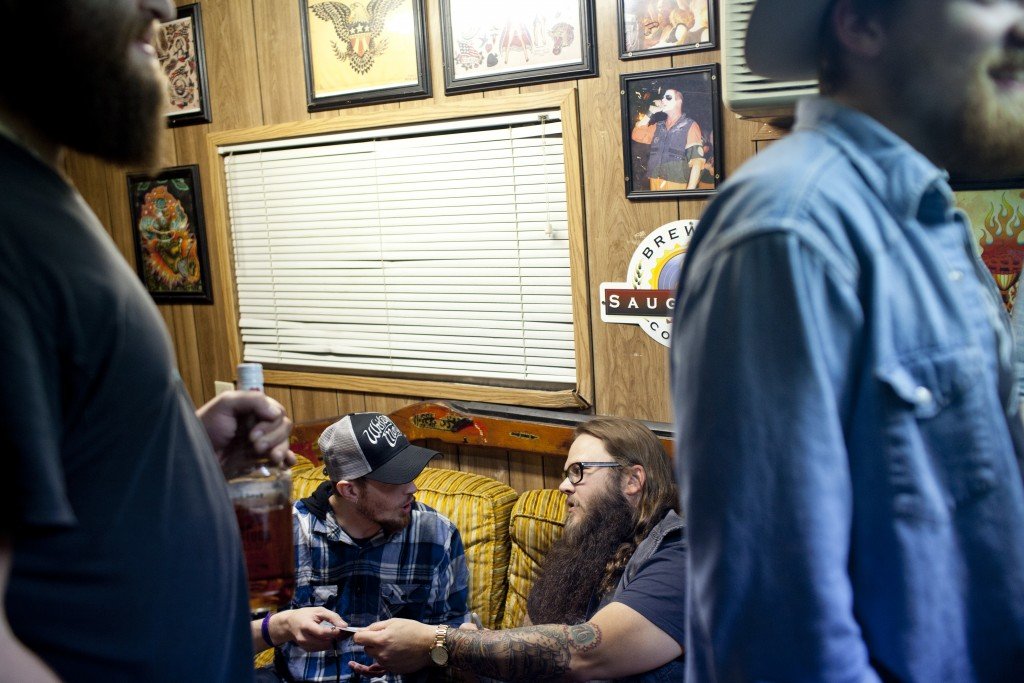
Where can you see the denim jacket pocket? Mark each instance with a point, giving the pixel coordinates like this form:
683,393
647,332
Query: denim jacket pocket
937,445
405,600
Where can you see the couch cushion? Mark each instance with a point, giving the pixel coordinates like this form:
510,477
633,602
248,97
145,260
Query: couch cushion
480,507
537,520
306,477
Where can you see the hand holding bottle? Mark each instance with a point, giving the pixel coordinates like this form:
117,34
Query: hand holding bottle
269,435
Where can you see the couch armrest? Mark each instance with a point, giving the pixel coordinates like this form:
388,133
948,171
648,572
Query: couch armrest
481,508
537,521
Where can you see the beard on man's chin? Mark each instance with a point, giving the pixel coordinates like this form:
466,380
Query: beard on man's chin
571,576
391,525
118,111
127,130
989,133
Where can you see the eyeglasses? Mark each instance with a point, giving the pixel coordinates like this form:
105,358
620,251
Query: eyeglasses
574,473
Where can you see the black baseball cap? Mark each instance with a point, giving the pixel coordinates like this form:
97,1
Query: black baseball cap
370,445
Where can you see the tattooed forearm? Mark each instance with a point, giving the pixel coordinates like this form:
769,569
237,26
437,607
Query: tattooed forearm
537,652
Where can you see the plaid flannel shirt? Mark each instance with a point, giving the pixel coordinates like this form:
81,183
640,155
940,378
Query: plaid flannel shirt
418,573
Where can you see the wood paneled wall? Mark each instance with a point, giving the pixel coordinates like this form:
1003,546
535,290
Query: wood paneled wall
255,67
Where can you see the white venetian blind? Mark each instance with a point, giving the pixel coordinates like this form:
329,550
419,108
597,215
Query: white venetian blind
437,250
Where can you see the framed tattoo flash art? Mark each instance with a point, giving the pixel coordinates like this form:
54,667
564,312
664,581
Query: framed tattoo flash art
503,44
363,52
170,237
179,46
650,28
671,132
996,212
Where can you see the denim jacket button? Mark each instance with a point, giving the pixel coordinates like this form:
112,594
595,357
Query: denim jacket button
956,275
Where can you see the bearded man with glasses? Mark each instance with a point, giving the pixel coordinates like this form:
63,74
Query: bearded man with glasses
610,603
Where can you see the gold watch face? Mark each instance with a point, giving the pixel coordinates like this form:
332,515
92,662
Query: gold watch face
439,655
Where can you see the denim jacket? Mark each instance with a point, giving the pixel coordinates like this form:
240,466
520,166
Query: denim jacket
848,429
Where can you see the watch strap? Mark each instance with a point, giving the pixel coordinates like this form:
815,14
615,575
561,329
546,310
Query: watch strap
440,645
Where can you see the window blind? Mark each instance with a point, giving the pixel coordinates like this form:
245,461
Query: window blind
435,251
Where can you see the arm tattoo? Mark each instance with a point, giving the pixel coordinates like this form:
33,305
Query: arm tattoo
584,637
533,652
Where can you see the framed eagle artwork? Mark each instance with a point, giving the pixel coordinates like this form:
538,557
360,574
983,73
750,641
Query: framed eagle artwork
360,53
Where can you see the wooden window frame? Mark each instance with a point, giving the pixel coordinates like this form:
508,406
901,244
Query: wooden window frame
581,396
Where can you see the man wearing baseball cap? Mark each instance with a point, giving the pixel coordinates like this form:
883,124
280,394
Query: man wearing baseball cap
365,550
849,438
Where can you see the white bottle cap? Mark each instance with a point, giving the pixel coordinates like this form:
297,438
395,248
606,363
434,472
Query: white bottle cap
250,377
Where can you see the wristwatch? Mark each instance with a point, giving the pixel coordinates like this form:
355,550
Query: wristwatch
439,651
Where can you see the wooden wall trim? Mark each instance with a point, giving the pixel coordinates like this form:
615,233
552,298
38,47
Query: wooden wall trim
566,398
218,221
580,284
446,111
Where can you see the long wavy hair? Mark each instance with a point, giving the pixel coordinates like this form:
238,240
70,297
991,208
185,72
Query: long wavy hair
631,443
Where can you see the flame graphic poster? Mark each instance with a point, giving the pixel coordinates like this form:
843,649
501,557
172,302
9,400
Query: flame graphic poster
997,220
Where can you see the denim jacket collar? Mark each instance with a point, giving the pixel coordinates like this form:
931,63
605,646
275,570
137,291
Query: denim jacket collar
909,184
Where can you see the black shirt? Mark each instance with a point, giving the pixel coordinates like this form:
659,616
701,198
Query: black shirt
127,560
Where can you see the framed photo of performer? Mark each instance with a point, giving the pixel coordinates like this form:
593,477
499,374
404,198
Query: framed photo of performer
364,53
170,235
490,45
180,49
671,132
996,212
653,28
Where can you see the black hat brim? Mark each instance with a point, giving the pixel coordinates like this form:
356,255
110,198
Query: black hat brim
404,466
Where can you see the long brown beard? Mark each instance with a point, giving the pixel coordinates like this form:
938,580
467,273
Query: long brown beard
568,587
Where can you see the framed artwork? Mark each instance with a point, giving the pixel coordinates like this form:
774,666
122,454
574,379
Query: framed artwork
996,212
179,46
360,53
503,44
170,235
671,132
649,28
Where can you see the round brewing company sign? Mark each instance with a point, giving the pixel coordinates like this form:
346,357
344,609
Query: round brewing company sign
647,299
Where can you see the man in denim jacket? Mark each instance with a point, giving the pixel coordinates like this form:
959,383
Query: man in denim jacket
848,429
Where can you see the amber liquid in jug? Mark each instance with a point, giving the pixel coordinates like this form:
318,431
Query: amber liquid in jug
261,496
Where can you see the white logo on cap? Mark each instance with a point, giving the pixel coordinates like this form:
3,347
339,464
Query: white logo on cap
382,426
